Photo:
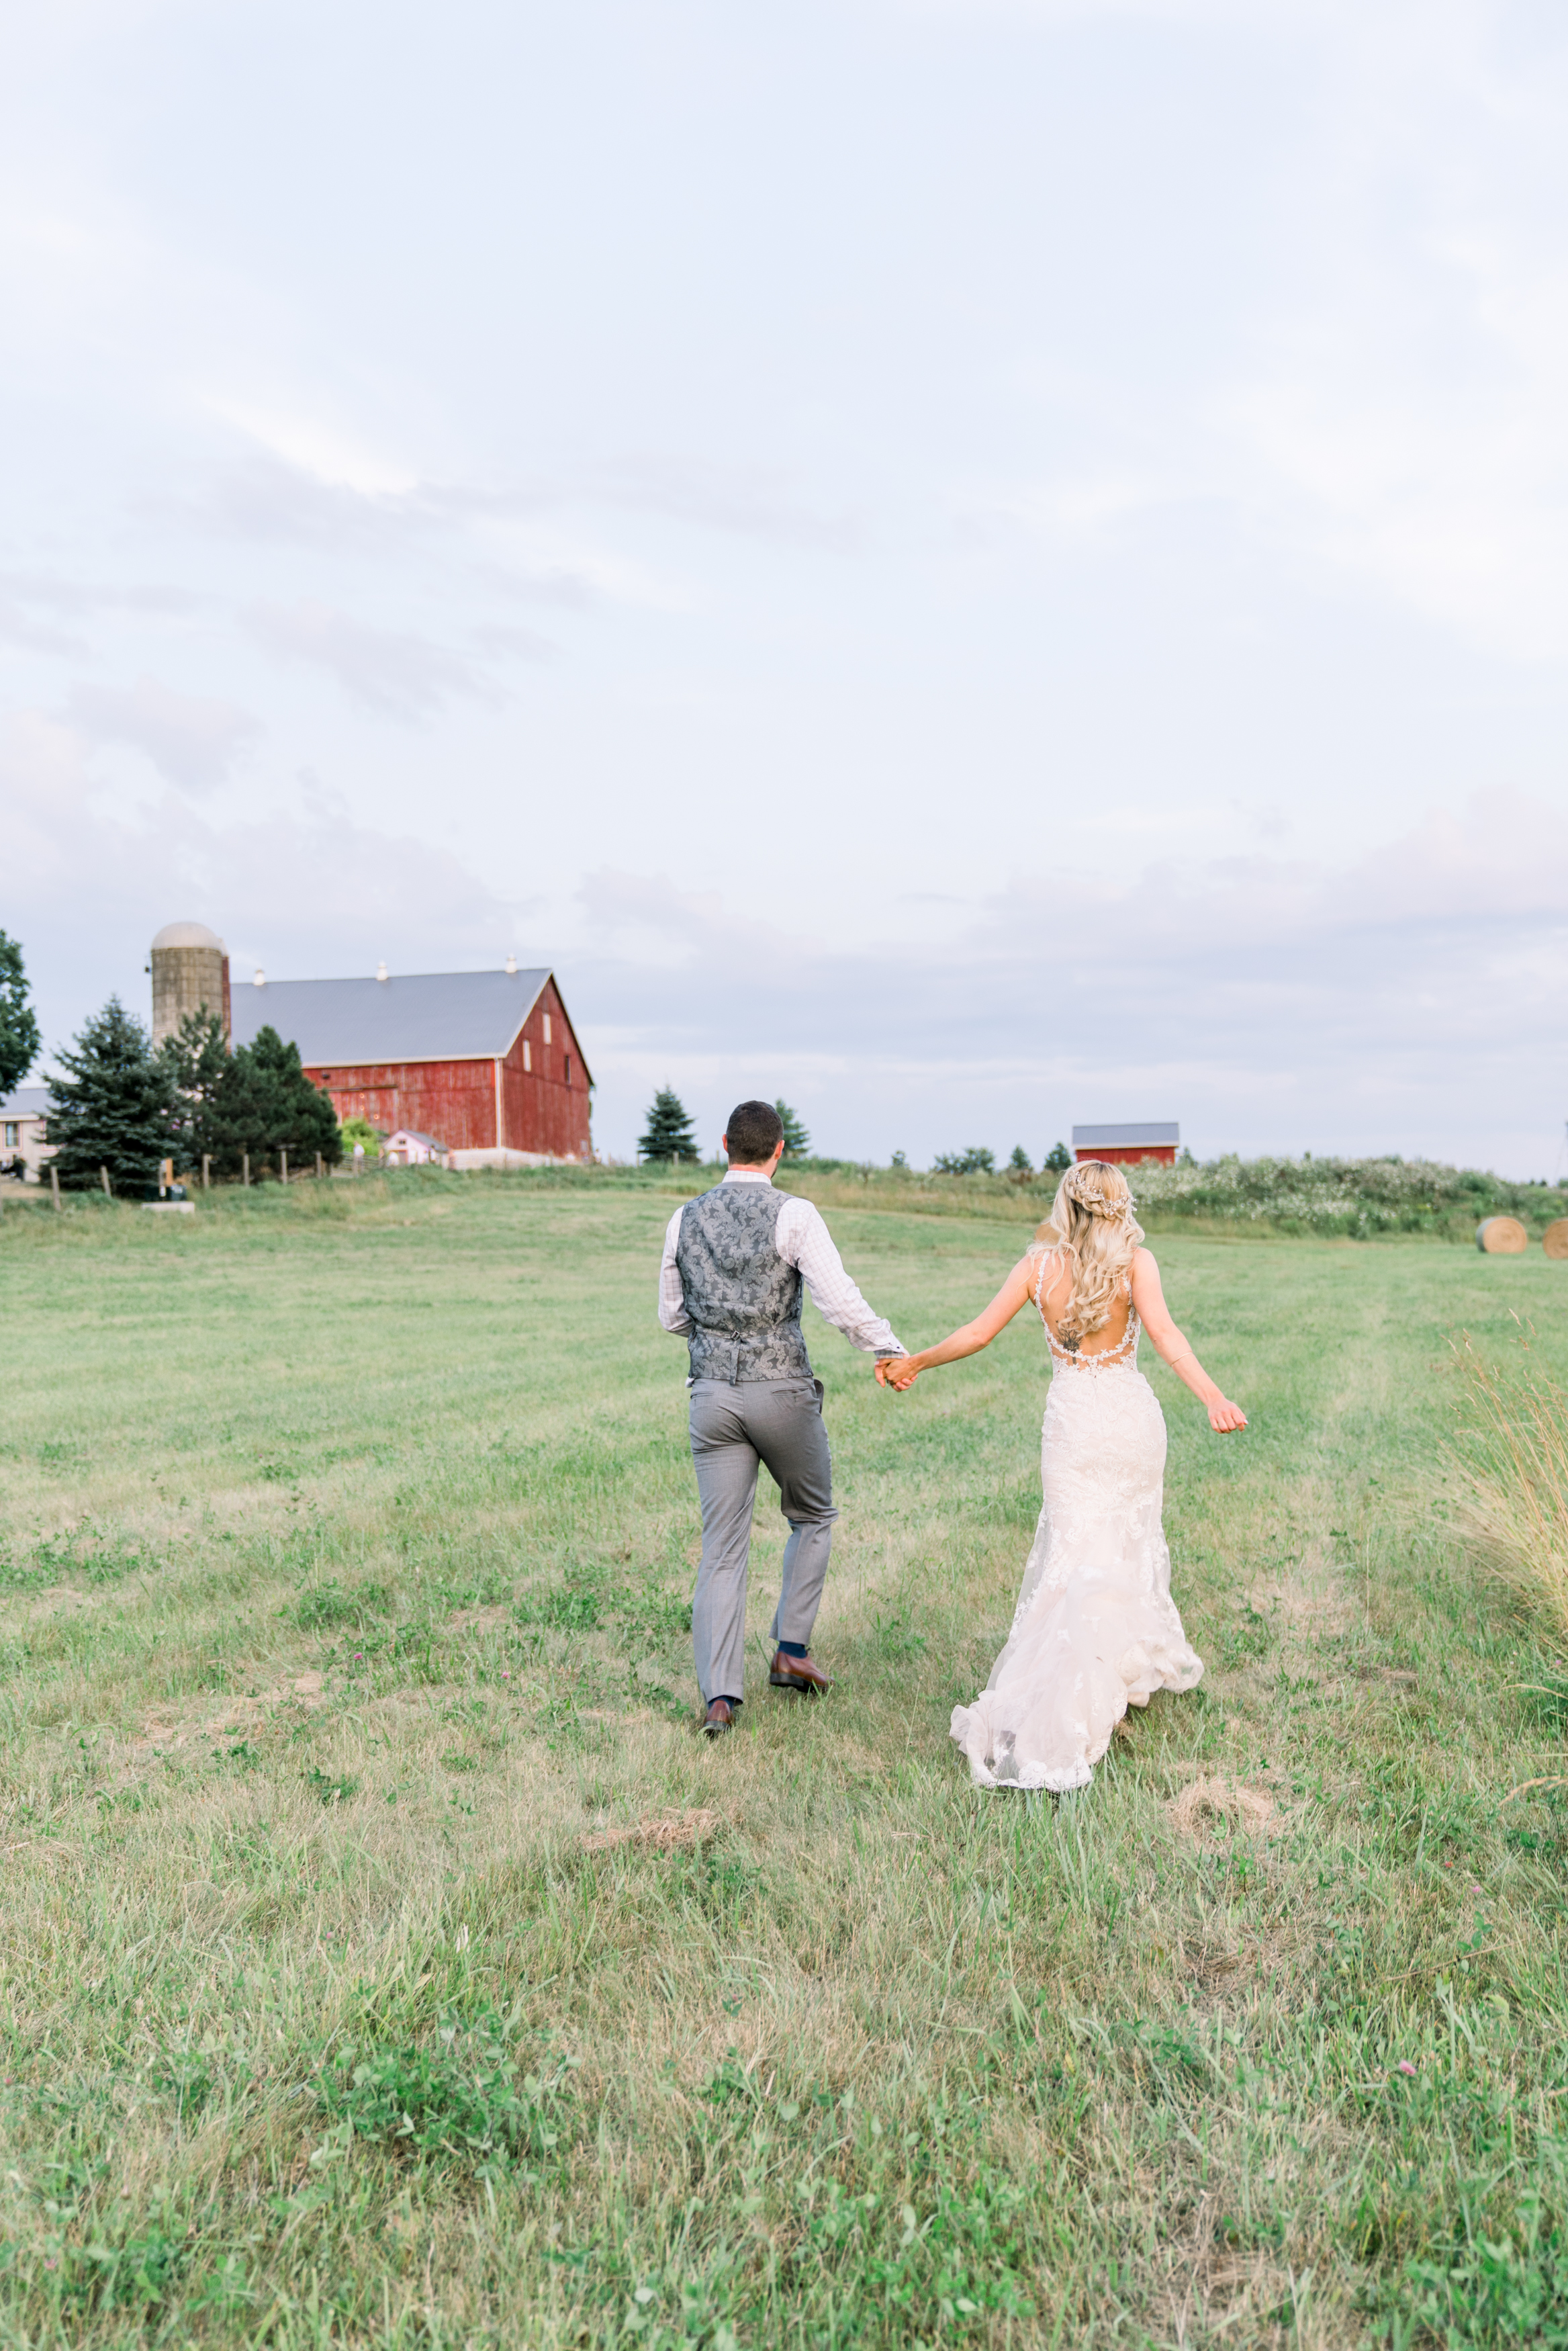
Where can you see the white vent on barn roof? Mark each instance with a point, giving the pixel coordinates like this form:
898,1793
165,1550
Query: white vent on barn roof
512,966
380,971
260,979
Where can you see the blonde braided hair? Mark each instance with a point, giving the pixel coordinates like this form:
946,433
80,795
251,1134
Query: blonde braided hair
1093,1230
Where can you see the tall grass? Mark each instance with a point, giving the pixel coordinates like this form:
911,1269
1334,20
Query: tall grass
1512,1464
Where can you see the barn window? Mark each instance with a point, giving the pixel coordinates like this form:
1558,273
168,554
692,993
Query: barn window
568,1069
546,1028
527,1054
12,1136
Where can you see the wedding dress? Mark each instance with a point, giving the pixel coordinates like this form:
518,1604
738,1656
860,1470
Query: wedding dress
1096,1629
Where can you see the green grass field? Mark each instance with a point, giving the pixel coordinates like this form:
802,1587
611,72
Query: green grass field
387,1961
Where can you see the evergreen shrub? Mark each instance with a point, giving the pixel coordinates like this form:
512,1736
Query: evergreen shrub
113,1108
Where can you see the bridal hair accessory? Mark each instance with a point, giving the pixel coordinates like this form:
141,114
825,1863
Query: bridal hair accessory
1116,1212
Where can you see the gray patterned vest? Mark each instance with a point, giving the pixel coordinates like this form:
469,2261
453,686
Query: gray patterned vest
743,1299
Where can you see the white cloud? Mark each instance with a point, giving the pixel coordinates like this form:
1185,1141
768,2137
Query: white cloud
305,891
1406,414
391,672
339,459
1407,998
192,740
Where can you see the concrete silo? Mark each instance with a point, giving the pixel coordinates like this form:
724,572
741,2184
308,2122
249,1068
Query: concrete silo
190,967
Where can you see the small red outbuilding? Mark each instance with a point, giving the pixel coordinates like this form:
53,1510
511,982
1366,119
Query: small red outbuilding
1126,1146
484,1060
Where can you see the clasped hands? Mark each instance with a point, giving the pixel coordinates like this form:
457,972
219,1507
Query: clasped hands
901,1372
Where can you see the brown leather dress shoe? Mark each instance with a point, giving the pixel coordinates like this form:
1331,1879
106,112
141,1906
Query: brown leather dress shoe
720,1717
798,1674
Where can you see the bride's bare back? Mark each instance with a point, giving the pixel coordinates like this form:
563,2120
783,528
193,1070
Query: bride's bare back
1051,1292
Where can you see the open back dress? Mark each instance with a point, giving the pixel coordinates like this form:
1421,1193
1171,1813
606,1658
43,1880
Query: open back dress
1096,1629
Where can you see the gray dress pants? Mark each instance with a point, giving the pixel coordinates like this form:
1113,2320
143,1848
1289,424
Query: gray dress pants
734,1428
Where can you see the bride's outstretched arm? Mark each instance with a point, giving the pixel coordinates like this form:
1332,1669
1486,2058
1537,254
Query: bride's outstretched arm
1171,1345
903,1371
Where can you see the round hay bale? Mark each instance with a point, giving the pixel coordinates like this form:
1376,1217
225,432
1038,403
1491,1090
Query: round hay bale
1554,1240
1501,1237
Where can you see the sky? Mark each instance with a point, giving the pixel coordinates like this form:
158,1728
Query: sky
979,565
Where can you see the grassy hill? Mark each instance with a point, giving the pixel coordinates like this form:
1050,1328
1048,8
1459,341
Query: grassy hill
386,1961
1349,1199
1359,1200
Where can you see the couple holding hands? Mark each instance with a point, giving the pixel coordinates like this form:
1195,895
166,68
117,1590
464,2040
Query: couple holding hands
1096,1629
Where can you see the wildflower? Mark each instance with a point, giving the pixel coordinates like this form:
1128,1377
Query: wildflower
1406,2067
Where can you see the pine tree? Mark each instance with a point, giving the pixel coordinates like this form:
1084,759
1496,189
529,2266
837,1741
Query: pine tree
252,1104
18,1028
197,1059
1020,1162
796,1141
265,1103
1058,1160
670,1134
114,1108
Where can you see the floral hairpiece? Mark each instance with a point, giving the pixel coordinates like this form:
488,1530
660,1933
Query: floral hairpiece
1094,1207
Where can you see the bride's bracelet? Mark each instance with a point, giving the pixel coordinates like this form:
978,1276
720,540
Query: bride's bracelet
1188,1354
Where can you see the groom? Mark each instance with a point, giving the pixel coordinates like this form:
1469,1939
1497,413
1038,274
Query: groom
734,1262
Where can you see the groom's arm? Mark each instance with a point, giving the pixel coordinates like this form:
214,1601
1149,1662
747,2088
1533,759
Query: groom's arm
671,1296
803,1239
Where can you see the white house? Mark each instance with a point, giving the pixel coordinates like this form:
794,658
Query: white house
409,1148
23,1150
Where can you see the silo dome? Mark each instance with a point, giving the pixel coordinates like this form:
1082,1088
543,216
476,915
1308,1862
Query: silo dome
188,935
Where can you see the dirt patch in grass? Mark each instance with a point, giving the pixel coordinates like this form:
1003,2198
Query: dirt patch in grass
669,1833
479,1620
240,1714
1212,1803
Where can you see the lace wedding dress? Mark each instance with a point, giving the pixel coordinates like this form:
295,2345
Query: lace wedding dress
1096,1629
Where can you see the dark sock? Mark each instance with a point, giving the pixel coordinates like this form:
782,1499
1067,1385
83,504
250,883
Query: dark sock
728,1701
793,1649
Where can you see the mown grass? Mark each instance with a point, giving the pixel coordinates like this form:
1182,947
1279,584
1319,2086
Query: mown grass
343,1580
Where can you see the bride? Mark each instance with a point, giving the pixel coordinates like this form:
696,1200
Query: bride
1096,1629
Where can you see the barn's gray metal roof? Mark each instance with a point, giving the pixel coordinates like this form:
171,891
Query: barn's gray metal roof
433,1015
1125,1138
27,1101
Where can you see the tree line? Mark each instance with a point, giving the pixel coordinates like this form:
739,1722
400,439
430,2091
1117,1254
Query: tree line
120,1104
671,1135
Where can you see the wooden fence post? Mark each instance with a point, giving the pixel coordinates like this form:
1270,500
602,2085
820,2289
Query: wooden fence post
320,1165
54,1185
103,1172
206,1171
245,1166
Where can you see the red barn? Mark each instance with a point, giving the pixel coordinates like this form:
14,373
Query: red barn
1124,1146
483,1061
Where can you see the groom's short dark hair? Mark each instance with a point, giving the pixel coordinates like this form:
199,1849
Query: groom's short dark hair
753,1132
